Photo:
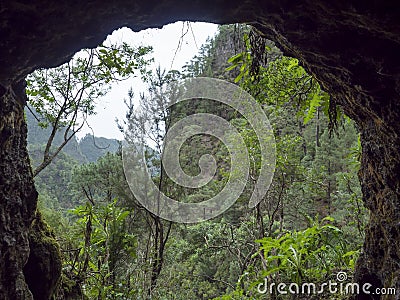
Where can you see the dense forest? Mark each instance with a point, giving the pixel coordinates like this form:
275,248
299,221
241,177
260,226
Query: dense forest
308,228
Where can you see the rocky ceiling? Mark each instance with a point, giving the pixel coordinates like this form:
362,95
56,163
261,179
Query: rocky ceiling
352,49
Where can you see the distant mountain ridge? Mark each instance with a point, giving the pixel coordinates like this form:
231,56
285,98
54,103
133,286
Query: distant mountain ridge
86,150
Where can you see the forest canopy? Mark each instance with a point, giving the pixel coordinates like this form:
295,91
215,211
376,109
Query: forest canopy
309,227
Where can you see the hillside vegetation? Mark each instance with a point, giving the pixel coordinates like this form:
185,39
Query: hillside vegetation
308,227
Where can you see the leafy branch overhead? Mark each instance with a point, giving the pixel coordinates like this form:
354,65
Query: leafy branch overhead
61,98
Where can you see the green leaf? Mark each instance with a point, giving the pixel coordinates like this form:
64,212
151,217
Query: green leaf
314,104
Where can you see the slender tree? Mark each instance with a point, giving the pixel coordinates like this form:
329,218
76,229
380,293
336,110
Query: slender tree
63,97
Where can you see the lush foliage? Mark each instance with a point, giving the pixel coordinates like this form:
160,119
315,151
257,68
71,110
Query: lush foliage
308,227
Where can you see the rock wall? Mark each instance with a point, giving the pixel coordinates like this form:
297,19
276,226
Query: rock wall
17,194
351,48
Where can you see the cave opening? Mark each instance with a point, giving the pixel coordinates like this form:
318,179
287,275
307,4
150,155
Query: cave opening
74,166
353,59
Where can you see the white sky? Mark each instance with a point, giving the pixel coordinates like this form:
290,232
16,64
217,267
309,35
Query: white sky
165,44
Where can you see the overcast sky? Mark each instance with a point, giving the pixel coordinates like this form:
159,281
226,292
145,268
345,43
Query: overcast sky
169,53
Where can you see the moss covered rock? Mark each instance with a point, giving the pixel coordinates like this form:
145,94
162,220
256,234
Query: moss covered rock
43,269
